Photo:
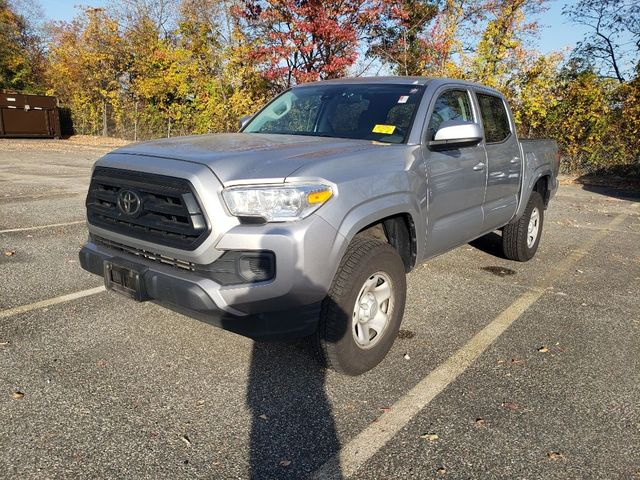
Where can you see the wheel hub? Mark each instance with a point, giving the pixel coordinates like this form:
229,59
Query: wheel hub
368,307
533,227
373,310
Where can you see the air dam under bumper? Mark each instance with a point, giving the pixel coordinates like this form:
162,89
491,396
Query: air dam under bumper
283,308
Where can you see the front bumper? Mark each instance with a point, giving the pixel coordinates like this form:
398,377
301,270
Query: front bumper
285,307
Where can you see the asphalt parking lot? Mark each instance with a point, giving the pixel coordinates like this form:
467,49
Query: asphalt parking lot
501,370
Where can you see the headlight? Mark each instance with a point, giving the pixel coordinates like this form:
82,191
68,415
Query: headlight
282,203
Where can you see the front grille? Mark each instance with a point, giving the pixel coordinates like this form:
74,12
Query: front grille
155,257
169,213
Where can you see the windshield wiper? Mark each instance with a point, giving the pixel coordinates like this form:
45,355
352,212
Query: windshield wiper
306,134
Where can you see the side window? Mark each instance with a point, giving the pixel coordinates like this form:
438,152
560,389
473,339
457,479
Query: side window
494,118
451,105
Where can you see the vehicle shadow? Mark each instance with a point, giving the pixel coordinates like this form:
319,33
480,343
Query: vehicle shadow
490,243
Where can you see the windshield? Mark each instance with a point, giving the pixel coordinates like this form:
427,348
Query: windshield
365,112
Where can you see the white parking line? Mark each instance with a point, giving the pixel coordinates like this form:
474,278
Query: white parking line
364,445
39,227
49,302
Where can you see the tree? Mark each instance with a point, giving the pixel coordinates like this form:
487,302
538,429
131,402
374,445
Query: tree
240,90
613,42
158,14
442,42
500,51
21,54
398,39
87,61
162,76
533,94
581,119
305,40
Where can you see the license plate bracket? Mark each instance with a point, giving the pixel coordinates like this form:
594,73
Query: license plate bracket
126,278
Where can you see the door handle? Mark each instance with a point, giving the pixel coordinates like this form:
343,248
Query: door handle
479,167
514,160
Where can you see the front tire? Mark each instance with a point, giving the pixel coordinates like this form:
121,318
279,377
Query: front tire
361,314
520,239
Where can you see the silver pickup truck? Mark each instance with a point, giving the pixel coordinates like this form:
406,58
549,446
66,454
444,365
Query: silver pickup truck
306,222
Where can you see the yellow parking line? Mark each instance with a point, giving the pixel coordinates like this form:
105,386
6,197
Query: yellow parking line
39,227
373,438
49,302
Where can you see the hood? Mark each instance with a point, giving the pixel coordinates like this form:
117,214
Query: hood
235,157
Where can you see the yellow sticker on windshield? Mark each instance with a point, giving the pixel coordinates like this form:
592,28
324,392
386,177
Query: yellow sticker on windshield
386,129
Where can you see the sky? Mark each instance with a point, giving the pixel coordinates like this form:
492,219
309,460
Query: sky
555,32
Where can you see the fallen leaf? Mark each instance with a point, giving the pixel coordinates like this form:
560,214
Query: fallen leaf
17,395
200,403
9,253
543,349
513,406
480,422
556,456
101,363
441,471
263,417
406,356
186,440
285,463
432,437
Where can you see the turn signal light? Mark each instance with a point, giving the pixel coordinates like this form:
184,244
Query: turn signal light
320,196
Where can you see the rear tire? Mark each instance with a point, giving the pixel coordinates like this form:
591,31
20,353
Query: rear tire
361,314
520,239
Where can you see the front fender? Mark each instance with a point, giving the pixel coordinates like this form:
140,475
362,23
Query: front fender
374,210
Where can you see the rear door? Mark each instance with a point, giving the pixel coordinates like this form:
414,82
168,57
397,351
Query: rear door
503,161
456,178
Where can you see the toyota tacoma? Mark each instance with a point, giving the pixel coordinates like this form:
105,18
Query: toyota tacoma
306,222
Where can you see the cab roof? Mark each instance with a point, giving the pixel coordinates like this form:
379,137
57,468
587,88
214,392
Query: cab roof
398,80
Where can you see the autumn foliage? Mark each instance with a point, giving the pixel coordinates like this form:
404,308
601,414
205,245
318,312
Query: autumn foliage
305,40
148,68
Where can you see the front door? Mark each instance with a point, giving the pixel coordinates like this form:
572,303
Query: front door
503,162
456,179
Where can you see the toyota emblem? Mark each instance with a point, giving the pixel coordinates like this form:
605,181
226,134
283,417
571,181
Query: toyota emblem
129,202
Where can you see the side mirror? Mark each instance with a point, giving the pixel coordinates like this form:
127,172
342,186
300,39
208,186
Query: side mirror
456,134
244,120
